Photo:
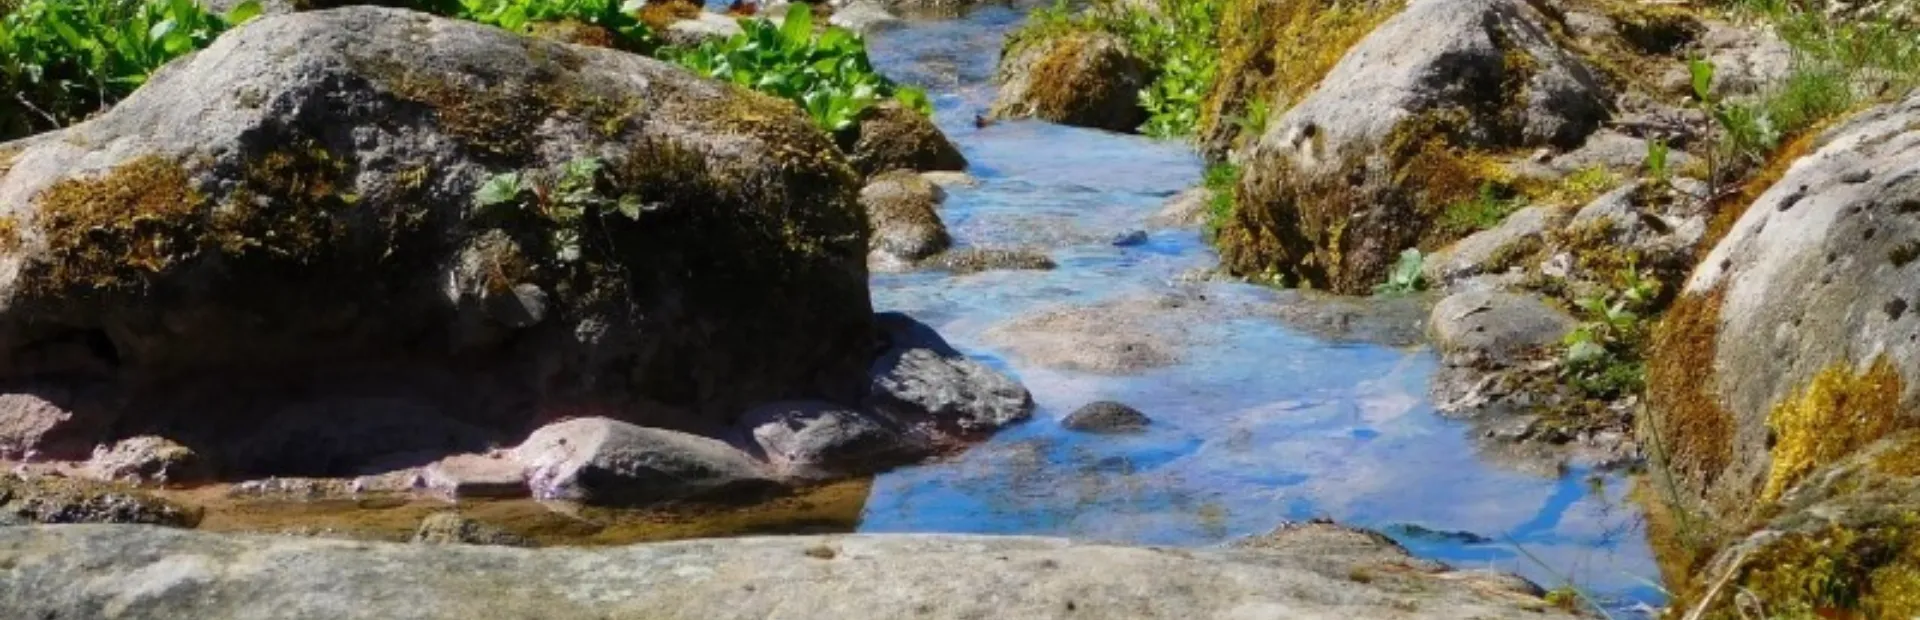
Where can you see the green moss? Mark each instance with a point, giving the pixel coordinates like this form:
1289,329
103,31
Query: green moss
661,14
1276,52
116,231
288,206
501,121
1518,253
576,33
1835,572
1836,413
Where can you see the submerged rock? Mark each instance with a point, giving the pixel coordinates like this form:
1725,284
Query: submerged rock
449,528
889,136
1106,417
1085,79
1187,209
965,261
47,499
921,382
1344,181
80,571
300,256
903,210
609,462
1124,336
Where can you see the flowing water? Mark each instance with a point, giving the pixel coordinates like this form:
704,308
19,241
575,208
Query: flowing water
1256,424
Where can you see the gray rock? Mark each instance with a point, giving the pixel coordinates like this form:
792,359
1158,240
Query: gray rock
1106,417
609,462
148,459
1746,60
927,386
701,28
1476,254
1495,327
965,261
889,136
1391,320
93,571
47,421
865,17
1321,173
465,476
1187,209
1812,285
903,210
1614,151
449,528
369,131
813,440
1085,79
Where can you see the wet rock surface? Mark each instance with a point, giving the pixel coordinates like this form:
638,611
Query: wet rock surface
889,136
923,383
813,440
447,528
59,500
608,462
903,210
206,576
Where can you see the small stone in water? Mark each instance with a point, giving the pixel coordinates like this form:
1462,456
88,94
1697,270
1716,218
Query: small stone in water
1130,238
1107,417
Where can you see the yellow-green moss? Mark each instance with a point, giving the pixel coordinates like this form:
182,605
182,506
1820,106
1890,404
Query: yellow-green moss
1277,51
660,14
115,230
577,33
1690,430
1836,413
1836,572
502,120
7,156
287,205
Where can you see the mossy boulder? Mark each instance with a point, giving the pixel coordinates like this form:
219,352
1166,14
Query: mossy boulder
1073,77
889,136
1408,122
305,236
1795,341
1272,55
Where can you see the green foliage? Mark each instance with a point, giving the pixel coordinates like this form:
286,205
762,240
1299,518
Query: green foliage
1406,276
827,73
522,15
1603,354
1658,169
1220,180
561,199
1485,210
61,60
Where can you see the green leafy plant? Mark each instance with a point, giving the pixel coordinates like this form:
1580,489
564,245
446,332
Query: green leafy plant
1220,180
827,73
62,60
1179,38
1603,353
1658,169
522,15
1486,210
1406,276
562,200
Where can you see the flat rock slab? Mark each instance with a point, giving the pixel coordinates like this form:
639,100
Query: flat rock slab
133,573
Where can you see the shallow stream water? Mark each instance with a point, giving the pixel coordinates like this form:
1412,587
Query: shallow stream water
1256,424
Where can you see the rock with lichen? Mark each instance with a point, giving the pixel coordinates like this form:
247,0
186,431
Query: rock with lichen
439,218
1074,77
1793,343
57,500
1402,126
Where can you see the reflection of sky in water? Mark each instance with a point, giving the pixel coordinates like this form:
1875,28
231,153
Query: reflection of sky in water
1257,425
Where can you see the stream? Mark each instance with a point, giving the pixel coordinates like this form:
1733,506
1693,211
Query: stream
1255,424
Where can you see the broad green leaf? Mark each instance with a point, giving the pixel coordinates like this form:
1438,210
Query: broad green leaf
498,190
245,12
797,32
1702,73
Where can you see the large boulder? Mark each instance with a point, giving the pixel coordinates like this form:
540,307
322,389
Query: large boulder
1080,78
609,462
1400,128
1795,341
307,236
138,573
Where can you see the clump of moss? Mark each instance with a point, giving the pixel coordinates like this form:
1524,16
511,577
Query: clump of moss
1836,413
1276,52
660,14
117,230
502,121
577,33
1837,572
288,205
7,156
1691,431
